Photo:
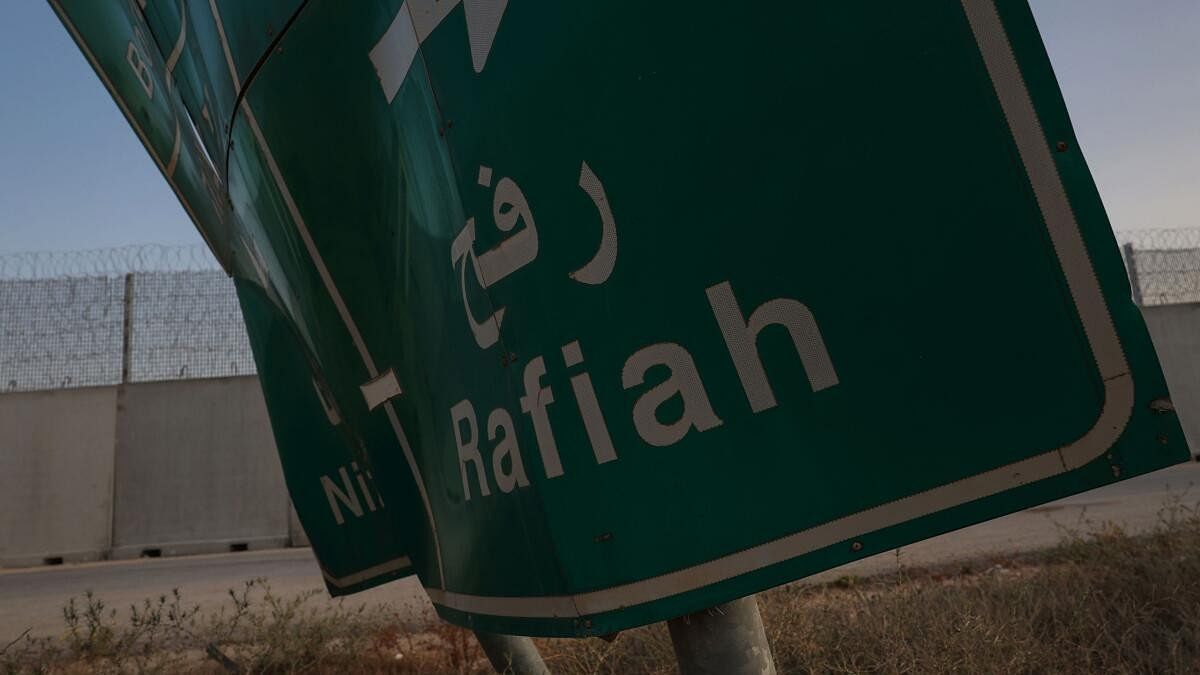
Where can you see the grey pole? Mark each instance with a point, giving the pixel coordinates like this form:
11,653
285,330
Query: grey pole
1135,282
724,640
511,654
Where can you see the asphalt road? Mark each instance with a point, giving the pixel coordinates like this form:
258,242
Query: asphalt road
33,598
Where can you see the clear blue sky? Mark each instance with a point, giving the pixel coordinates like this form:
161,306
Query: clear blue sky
73,175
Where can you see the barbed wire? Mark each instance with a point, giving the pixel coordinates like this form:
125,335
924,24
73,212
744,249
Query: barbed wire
65,317
106,262
65,313
1160,238
187,325
1163,264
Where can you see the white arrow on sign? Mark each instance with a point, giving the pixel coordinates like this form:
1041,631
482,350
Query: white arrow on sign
393,55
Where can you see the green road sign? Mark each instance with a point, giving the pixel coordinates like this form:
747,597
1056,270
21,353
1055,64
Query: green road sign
596,314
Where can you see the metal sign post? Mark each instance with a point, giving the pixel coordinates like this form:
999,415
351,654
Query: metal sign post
728,639
511,654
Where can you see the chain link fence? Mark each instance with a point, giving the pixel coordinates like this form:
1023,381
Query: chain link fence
94,318
148,313
57,333
1163,265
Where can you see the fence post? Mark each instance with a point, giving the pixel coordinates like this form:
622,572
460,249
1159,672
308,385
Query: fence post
127,329
126,360
1135,283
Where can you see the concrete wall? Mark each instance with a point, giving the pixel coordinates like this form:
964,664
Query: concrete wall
296,534
1175,330
196,469
159,468
56,474
193,466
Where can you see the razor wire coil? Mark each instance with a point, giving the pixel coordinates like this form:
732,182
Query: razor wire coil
63,318
63,315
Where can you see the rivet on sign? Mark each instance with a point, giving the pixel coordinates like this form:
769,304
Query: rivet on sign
856,546
607,536
1116,472
1162,405
1062,146
512,358
1162,439
504,359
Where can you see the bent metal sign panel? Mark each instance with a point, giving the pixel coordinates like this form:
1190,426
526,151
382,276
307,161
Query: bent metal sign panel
594,314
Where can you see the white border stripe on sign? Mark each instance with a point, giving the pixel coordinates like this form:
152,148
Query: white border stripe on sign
1070,250
170,170
1034,150
392,565
331,288
237,82
347,320
177,51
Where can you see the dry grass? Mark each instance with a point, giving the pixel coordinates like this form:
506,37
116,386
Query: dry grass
1101,603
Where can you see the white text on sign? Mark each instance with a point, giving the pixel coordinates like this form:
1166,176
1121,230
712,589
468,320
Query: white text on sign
741,334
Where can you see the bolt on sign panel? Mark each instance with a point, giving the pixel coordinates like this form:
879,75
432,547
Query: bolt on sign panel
594,314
